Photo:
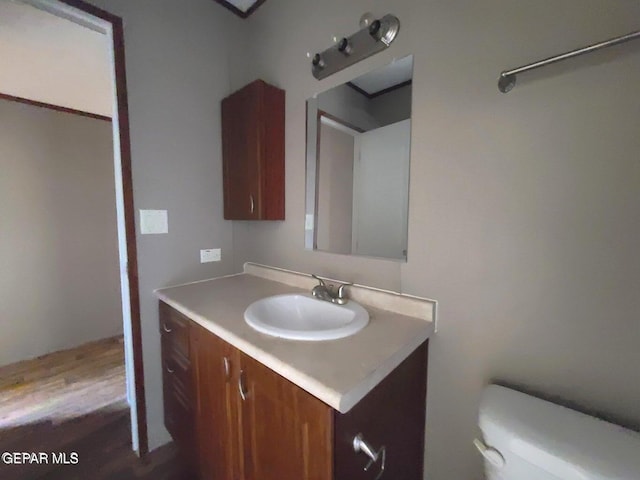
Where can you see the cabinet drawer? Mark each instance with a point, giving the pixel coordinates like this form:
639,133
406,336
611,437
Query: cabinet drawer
178,397
176,376
178,416
179,421
174,328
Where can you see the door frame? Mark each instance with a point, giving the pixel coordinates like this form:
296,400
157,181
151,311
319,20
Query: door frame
92,17
332,121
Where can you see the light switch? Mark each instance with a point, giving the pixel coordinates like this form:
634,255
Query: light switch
210,255
153,222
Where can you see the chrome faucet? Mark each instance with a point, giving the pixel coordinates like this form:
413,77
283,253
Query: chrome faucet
329,293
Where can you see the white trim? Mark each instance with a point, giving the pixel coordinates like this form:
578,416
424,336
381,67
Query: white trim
99,25
338,126
62,10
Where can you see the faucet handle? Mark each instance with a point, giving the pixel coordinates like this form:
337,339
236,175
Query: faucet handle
319,279
341,293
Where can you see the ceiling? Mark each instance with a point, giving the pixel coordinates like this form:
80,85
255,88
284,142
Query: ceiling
53,60
395,74
243,5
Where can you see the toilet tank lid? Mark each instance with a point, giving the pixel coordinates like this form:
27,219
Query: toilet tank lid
566,443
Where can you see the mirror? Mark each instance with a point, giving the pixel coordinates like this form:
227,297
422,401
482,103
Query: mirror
358,148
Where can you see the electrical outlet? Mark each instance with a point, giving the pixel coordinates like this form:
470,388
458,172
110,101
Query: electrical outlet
210,255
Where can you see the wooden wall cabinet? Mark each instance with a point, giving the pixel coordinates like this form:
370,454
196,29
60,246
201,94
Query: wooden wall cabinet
245,422
253,153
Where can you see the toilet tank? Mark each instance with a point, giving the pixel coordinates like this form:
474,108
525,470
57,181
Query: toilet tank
526,438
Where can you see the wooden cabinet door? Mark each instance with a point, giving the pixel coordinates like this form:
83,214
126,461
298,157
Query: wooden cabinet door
253,138
287,433
391,415
241,144
214,365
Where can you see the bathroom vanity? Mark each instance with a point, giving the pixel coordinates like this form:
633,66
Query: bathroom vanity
244,405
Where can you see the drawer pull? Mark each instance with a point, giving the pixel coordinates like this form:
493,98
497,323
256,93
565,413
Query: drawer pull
243,393
359,445
169,369
252,206
165,328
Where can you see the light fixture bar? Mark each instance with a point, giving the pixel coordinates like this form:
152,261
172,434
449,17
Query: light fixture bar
349,50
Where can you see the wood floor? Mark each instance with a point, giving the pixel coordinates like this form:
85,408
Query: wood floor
75,402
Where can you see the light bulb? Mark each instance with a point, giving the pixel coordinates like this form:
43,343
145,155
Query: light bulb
366,19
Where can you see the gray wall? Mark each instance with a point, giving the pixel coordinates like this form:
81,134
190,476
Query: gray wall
59,274
523,207
178,56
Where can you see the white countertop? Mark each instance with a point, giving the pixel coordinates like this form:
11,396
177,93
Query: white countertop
338,372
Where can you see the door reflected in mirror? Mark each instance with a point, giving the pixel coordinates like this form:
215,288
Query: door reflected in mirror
358,149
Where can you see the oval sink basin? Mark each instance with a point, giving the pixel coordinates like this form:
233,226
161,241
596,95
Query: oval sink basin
303,317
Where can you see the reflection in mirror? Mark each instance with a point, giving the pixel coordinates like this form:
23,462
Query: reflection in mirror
358,146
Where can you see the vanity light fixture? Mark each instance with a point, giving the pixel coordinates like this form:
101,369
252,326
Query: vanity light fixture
375,36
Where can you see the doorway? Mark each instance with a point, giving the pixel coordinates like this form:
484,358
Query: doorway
90,17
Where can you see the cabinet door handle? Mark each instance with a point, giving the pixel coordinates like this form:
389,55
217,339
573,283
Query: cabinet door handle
252,203
359,445
243,393
165,328
227,367
169,369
